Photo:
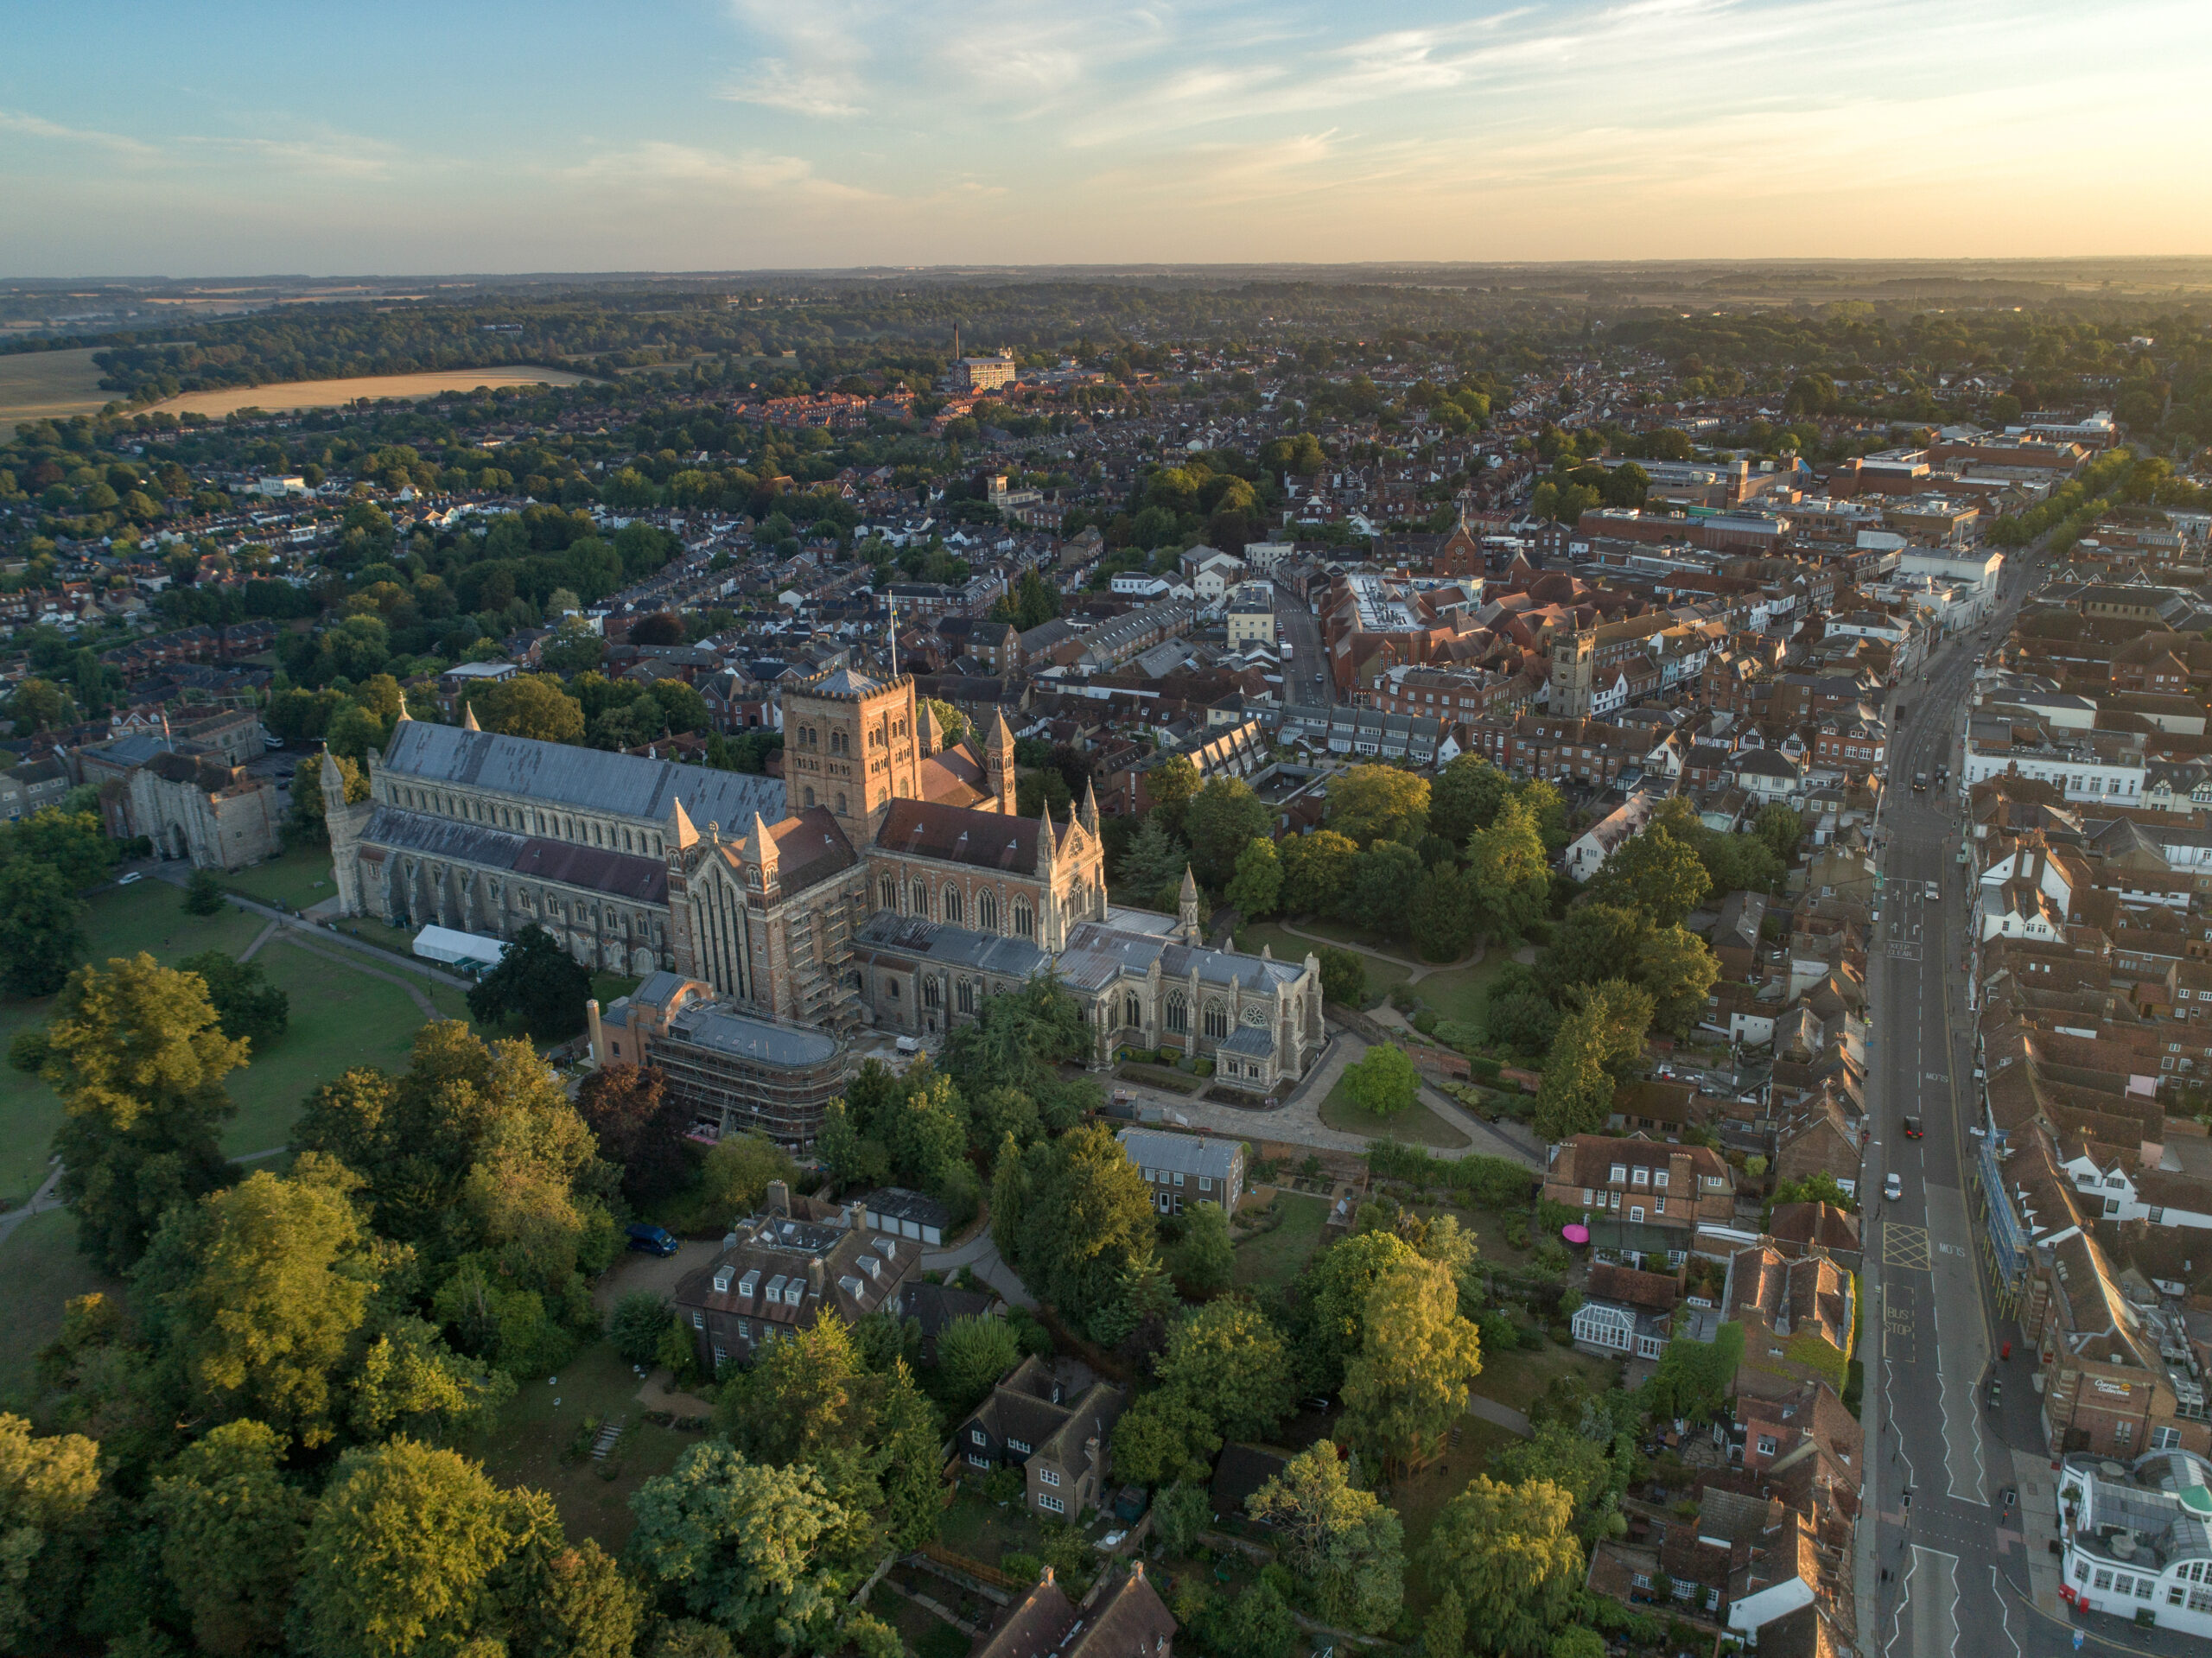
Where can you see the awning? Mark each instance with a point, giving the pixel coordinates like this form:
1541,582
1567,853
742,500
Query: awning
458,948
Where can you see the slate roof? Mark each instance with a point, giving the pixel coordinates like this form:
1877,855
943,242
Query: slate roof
922,828
1013,958
589,779
1096,955
619,874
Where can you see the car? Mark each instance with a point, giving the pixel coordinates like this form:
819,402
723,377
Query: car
125,880
653,1240
1912,1128
1892,1187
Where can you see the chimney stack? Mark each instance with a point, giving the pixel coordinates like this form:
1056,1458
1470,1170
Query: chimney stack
817,1275
779,1198
597,1038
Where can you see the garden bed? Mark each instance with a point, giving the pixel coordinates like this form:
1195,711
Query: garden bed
1158,1077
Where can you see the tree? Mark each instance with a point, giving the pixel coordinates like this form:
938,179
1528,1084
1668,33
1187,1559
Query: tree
1318,872
638,1321
47,1486
1378,803
245,1003
1332,1309
536,982
41,933
640,1126
38,705
532,705
952,725
1171,785
138,1058
356,733
972,1354
1510,870
1089,1217
1561,1456
1385,882
279,1283
1256,889
1165,1436
203,893
1781,829
1409,1382
1692,1379
1222,819
1510,1553
1342,1543
72,841
230,1530
1594,941
1518,1014
409,1382
1444,914
1600,1043
1466,797
1258,1623
1384,1082
1818,1187
1180,1513
747,1547
1202,1260
574,648
1154,861
1678,972
1653,872
1343,976
305,826
1229,1361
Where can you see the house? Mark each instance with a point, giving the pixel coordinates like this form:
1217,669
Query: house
1239,1471
1179,1166
1626,1313
1052,1421
1125,1619
1640,1197
799,1261
1795,1316
1587,855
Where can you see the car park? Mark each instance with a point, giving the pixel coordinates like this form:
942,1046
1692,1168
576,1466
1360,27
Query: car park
1892,1187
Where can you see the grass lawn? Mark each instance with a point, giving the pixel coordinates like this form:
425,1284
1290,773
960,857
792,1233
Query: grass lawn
340,1019
40,1272
1416,1125
299,879
978,1527
607,986
1419,1498
1518,1379
1287,946
1459,995
1271,1260
525,1446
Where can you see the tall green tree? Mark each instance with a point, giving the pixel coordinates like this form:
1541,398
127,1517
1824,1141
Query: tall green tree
72,841
1155,860
1384,1082
1408,1383
1510,1553
1222,819
48,1484
1333,1308
1202,1259
1230,1361
1653,872
245,1003
1316,872
536,982
232,1527
1089,1217
1255,891
1386,882
1378,803
1345,1546
530,705
138,1058
1509,871
42,929
1599,1045
1466,797
1171,785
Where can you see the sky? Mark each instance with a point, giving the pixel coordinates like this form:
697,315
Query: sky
223,137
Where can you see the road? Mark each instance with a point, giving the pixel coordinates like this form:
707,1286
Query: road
1300,630
1936,1573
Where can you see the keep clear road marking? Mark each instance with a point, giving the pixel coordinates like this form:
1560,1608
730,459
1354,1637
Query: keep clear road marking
1905,1246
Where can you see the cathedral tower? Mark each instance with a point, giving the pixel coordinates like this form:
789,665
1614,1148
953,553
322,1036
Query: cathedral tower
850,746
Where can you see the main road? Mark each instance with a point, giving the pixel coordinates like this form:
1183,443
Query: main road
1306,680
1940,1559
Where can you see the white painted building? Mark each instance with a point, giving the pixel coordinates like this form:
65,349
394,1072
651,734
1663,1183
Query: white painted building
2139,1540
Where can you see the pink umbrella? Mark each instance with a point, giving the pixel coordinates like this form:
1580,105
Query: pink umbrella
1575,1232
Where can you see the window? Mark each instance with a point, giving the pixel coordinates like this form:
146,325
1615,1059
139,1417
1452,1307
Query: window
2165,1438
2103,1579
841,800
721,1357
1048,1476
2124,1584
978,1436
1589,1195
2200,1600
965,996
975,1461
1021,1447
921,898
1178,1176
2123,1431
1619,1174
698,1321
2144,1586
810,796
1050,1504
2158,1217
1635,1213
744,1329
1179,1012
932,995
952,906
1132,1011
1216,1019
1205,1183
1640,1177
890,889
1659,1179
1766,1444
1025,923
2082,1572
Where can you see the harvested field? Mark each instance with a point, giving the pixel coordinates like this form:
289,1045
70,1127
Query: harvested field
49,385
324,394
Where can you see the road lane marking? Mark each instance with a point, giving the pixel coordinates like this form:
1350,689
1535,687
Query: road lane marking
1905,1246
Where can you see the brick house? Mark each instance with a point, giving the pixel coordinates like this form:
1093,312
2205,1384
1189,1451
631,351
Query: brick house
1639,1196
1052,1422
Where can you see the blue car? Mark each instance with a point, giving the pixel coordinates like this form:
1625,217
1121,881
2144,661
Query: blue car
653,1240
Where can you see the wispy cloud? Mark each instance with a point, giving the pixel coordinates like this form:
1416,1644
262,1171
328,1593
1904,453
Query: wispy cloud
756,173
35,126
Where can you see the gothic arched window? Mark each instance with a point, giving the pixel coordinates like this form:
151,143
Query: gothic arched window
987,911
1025,923
966,995
921,898
1179,1012
952,906
810,796
1132,1011
890,889
1216,1019
932,995
840,801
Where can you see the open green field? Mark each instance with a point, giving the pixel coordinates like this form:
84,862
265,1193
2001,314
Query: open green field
340,1017
525,1445
299,879
1287,946
1518,1379
1416,1125
50,385
40,1272
1271,1260
1458,995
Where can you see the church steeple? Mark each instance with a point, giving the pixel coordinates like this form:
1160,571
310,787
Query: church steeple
998,769
1188,927
1087,814
468,718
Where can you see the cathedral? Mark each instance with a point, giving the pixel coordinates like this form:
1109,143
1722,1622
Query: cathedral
886,879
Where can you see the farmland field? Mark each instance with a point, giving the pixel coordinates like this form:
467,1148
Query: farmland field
49,385
322,394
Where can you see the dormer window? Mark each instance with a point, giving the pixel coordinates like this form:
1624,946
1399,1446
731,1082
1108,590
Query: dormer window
722,1276
1640,1177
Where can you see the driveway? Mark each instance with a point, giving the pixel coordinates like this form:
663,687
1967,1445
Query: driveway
980,1256
658,1274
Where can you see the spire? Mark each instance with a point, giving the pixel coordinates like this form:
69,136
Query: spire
680,832
1087,815
1046,835
927,729
1188,925
760,846
468,718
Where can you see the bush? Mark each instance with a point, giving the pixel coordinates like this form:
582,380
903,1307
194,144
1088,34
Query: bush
1426,1022
203,893
640,1320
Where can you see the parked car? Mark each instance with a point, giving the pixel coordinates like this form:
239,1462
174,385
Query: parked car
125,880
653,1240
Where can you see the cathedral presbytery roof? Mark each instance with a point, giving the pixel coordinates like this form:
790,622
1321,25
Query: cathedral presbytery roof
587,780
921,829
1096,955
